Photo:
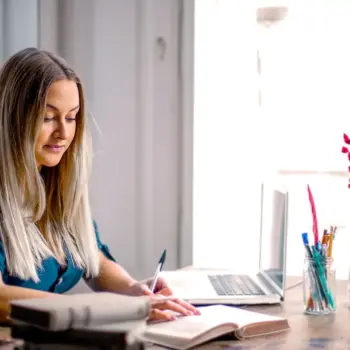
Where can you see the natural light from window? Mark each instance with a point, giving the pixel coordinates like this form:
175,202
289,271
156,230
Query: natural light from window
293,136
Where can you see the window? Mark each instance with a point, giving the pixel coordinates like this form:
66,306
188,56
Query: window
305,85
284,124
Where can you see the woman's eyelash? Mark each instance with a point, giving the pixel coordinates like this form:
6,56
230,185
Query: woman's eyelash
47,119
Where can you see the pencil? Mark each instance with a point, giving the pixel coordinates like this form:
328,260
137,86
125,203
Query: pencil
330,245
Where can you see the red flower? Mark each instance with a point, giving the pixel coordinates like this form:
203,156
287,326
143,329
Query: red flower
346,139
346,151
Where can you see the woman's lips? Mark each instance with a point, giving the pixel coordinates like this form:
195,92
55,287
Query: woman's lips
54,148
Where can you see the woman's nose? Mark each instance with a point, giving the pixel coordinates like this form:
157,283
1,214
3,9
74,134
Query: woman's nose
63,131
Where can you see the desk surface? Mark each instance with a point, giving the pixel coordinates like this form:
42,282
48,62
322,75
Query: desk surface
307,332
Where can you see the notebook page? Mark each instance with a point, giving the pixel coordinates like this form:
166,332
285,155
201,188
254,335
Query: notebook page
211,317
213,322
183,335
241,317
188,327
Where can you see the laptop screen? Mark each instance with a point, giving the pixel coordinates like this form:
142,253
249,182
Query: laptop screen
274,235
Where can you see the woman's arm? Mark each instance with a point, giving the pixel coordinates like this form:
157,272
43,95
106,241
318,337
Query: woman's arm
8,293
112,278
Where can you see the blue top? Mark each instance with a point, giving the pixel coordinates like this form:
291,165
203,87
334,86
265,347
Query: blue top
53,278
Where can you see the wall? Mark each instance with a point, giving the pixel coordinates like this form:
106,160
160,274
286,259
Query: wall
18,14
132,88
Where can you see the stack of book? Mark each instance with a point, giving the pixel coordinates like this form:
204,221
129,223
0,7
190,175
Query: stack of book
81,321
111,321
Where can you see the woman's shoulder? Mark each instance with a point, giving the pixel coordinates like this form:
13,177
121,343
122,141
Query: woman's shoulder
102,246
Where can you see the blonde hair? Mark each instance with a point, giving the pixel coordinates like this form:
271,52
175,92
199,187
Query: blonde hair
54,203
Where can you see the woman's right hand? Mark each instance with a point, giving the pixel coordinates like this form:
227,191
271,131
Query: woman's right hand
166,307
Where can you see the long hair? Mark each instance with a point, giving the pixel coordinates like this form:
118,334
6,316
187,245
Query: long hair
44,213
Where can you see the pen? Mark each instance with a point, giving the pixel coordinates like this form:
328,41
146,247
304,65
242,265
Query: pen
324,250
322,280
334,231
158,269
314,215
306,245
324,237
316,288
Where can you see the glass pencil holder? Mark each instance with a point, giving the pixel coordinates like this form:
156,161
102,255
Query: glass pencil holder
319,285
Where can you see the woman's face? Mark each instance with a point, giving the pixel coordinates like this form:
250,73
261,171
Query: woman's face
59,125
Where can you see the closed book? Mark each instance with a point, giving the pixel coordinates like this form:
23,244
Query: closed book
214,322
117,336
76,311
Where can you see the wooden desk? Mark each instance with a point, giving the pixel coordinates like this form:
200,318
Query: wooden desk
307,332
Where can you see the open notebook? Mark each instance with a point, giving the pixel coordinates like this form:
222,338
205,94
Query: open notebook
214,322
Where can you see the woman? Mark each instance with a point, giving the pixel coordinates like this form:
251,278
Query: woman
48,239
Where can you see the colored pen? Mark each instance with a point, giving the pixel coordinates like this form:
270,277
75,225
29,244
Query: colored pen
318,246
158,269
324,237
314,215
324,250
334,231
306,245
320,273
316,288
330,245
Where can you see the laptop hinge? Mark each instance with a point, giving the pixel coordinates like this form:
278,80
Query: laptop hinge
270,284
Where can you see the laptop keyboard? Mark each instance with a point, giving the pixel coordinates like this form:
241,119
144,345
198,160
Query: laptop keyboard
234,285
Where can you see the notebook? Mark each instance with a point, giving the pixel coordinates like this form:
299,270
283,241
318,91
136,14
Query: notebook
76,311
215,321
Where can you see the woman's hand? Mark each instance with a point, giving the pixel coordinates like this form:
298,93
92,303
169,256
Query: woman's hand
164,303
143,287
166,307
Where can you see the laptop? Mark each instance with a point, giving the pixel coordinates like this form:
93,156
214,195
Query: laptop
265,286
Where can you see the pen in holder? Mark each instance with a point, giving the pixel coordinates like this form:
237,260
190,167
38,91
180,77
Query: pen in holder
319,284
319,273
